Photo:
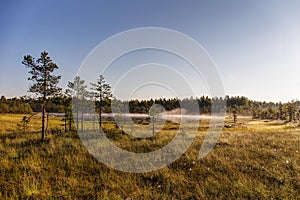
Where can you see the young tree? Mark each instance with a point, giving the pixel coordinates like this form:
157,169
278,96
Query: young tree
119,109
66,101
102,92
280,108
25,121
79,92
154,112
291,108
234,115
44,82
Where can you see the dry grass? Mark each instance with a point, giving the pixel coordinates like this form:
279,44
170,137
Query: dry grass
255,160
9,122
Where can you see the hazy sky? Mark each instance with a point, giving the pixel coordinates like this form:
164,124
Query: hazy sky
255,44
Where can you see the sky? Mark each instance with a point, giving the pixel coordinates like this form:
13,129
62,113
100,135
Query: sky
254,44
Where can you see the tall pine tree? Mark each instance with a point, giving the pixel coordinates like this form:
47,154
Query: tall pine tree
102,93
79,93
44,81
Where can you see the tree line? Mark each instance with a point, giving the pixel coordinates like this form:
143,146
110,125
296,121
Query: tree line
239,104
28,105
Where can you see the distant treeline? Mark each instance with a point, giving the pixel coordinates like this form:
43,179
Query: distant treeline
15,105
239,104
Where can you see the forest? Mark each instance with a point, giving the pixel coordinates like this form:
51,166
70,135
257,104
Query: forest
241,105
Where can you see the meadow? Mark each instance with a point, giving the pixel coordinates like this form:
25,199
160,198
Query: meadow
254,159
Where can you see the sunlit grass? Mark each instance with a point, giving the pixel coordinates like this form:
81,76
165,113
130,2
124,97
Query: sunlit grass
9,122
252,160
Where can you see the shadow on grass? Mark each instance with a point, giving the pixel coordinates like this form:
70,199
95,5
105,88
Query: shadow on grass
8,136
33,142
17,134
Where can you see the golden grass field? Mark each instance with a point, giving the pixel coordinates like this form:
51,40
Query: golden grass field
253,160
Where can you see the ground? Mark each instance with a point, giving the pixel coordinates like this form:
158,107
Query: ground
252,160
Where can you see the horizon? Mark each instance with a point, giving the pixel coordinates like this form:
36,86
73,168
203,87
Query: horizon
169,98
254,45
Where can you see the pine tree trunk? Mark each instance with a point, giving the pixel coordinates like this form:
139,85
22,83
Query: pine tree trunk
100,118
24,125
153,125
77,113
70,122
82,122
43,119
66,115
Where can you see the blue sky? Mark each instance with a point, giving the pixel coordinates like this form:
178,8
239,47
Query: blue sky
255,44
